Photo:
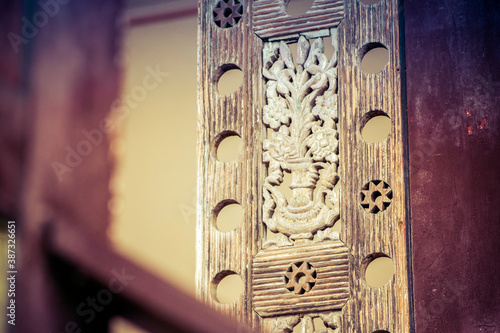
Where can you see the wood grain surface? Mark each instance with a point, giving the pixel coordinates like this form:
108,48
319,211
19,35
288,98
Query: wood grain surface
365,235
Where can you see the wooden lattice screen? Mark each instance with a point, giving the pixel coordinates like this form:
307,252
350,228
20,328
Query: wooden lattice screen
304,117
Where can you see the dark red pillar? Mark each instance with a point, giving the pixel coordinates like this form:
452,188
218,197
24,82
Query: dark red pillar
453,99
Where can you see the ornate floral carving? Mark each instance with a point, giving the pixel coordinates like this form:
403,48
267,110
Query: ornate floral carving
302,110
331,322
285,324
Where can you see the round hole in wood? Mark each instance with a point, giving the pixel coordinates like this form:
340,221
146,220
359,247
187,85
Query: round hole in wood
375,126
379,269
228,78
228,146
381,331
296,8
373,57
226,287
228,215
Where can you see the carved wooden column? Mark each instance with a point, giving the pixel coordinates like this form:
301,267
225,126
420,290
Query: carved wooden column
227,42
303,116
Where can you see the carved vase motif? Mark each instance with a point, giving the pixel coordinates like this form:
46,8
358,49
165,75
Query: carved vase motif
301,110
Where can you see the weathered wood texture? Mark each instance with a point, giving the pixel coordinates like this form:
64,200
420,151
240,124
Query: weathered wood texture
453,78
312,127
272,22
328,289
384,233
221,253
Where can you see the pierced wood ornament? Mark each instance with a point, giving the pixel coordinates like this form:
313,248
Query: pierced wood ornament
301,115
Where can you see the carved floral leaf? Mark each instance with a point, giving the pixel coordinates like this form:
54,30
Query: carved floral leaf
286,55
280,240
302,50
328,234
331,320
316,48
276,113
322,143
285,324
280,148
326,106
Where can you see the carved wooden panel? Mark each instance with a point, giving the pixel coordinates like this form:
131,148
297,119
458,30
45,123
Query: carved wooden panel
224,253
272,22
301,279
302,116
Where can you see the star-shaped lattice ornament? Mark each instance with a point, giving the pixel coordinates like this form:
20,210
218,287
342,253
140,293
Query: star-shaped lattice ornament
300,277
376,196
227,13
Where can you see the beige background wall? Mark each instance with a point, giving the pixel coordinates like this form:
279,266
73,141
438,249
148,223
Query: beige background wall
155,181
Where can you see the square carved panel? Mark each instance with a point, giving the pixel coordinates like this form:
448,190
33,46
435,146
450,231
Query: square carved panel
271,21
301,278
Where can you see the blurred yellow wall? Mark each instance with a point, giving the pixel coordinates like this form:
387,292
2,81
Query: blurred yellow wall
155,180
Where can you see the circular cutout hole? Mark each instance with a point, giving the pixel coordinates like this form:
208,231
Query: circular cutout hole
228,146
375,126
379,271
381,331
228,215
227,287
296,8
369,2
373,58
229,78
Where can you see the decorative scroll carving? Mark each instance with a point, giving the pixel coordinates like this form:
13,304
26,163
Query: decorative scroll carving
325,266
302,110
